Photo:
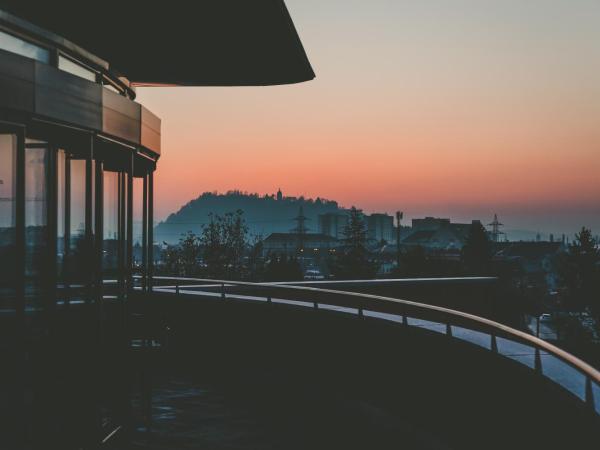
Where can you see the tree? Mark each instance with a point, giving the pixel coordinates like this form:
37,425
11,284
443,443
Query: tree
256,264
477,251
282,268
182,259
170,261
189,248
413,262
580,272
223,241
354,261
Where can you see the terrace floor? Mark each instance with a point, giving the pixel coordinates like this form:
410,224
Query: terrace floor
193,415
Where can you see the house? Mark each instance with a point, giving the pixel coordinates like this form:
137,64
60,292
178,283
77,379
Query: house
438,234
293,244
536,261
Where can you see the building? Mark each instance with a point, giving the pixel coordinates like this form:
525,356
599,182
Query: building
313,244
81,337
77,162
536,261
438,234
429,223
333,224
380,227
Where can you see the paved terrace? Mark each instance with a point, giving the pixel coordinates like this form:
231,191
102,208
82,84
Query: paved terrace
257,366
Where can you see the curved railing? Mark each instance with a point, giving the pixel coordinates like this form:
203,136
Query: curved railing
579,378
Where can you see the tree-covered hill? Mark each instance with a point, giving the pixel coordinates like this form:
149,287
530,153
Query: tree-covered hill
264,214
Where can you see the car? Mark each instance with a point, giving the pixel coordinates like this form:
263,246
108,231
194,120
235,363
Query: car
313,275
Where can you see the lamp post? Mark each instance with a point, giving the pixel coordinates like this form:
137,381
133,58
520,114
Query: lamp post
399,215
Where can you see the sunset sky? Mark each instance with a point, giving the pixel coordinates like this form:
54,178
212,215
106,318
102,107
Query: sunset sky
454,108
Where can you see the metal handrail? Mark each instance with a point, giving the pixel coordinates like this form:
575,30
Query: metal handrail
405,308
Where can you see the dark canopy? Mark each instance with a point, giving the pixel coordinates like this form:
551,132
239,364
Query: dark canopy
181,42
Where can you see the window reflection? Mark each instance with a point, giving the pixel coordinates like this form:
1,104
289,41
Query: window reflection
61,231
8,151
74,68
110,244
16,45
138,202
36,225
76,261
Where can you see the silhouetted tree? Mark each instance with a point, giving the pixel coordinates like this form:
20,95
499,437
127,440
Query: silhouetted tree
182,260
189,248
413,262
170,264
223,241
477,251
354,261
282,268
580,271
256,264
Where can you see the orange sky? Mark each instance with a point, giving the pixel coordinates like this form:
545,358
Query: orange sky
457,108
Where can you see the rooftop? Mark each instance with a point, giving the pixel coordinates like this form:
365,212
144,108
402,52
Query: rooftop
200,43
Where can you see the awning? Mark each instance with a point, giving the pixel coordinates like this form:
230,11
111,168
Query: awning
180,42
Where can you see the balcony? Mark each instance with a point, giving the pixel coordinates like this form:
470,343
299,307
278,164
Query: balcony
248,365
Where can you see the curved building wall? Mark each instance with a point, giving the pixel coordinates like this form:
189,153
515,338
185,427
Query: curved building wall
77,157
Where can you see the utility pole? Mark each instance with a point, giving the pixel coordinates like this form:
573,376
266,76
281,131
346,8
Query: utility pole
300,231
399,215
496,233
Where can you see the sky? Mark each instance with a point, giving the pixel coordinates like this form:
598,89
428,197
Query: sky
449,108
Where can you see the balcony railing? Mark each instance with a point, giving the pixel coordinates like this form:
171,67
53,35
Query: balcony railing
546,360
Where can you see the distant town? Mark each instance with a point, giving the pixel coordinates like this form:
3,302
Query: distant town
547,287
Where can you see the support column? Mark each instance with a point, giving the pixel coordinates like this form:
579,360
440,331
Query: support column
20,325
89,214
150,229
129,247
144,233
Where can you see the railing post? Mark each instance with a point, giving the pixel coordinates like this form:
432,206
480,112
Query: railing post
404,319
315,305
269,300
494,344
223,291
448,330
538,361
177,287
589,394
361,313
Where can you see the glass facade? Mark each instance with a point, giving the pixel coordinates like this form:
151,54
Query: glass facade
72,184
21,47
74,68
8,153
62,234
112,235
36,224
138,225
69,216
77,255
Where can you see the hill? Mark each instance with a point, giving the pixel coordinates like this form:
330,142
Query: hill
264,214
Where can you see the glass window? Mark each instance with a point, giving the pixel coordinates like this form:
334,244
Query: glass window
36,225
71,66
61,236
111,242
138,223
14,44
110,87
8,152
77,267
